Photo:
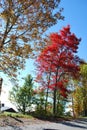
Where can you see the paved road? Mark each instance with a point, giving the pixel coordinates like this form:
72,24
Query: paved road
80,124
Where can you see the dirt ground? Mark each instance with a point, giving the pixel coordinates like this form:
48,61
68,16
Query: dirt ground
11,121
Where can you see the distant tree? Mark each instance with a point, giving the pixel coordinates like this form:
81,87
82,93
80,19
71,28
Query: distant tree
61,104
58,61
77,101
83,73
80,94
22,96
22,22
39,95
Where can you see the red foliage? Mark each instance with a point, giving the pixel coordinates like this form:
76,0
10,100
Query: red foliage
58,58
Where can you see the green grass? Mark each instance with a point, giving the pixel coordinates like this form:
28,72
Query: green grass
19,115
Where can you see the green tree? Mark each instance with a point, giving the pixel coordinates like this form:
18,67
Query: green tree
23,96
78,101
39,101
79,94
24,22
83,73
61,103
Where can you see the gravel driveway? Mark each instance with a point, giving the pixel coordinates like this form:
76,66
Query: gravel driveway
80,124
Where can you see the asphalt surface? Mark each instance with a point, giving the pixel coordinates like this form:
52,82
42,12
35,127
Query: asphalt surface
80,124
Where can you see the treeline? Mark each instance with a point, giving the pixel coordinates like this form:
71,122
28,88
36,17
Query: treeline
57,64
28,99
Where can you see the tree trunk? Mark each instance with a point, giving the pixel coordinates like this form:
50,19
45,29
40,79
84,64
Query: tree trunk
73,107
58,99
1,80
47,92
54,96
54,103
85,112
46,100
24,108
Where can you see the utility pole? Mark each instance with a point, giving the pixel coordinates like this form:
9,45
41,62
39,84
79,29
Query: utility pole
1,80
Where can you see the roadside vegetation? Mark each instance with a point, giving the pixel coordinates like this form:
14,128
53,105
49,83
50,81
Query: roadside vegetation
17,115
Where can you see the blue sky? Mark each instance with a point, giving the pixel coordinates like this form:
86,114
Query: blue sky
75,12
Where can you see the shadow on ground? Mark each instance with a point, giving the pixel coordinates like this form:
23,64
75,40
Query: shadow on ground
82,121
74,124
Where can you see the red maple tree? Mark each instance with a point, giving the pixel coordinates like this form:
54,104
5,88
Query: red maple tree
58,61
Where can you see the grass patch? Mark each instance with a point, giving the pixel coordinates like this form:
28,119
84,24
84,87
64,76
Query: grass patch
82,117
19,115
